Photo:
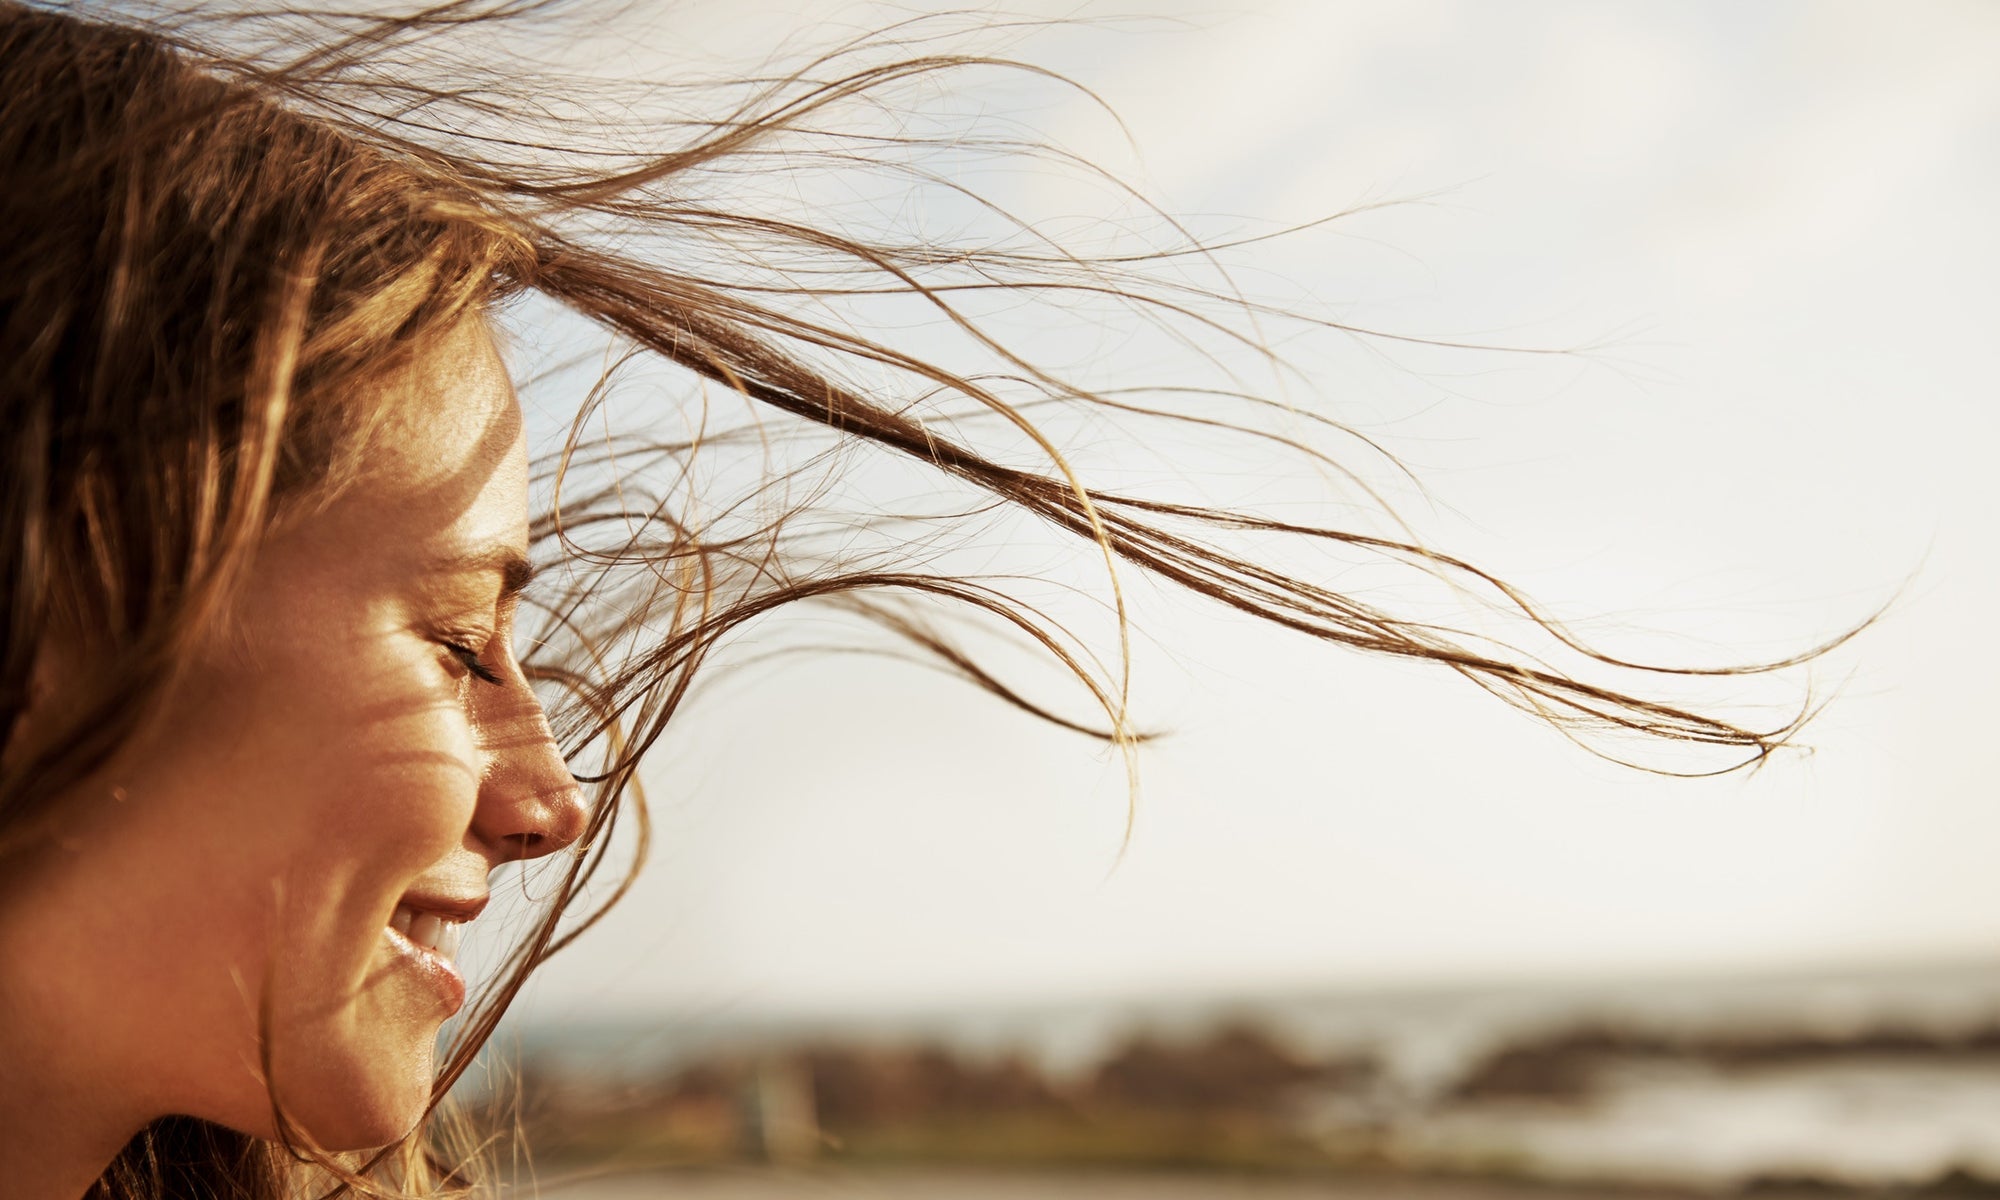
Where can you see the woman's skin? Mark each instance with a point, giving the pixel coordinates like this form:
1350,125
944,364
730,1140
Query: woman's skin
329,758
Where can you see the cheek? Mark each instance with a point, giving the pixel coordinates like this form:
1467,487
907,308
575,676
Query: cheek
372,765
384,800
336,774
395,790
271,825
334,795
354,760
384,789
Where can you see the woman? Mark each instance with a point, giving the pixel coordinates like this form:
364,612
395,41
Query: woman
267,535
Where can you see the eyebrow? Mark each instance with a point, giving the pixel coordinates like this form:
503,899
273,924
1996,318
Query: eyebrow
513,567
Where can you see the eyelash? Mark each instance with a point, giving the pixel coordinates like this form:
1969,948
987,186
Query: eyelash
469,659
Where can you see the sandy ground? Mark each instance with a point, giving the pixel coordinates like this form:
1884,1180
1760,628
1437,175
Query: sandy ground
1027,1186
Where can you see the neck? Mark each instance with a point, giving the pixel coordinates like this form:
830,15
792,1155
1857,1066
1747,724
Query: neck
67,1105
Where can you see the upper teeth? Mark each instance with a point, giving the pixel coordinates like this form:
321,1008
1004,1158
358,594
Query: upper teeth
434,932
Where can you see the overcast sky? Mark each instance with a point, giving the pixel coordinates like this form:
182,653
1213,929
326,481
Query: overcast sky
1781,214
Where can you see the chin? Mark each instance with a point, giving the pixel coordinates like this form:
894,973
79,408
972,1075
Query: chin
356,1073
359,1096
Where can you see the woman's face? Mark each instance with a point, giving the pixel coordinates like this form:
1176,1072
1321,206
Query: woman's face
324,799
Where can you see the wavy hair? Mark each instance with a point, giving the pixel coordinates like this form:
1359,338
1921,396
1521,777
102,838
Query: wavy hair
222,229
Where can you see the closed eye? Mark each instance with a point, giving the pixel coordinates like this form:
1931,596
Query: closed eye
469,659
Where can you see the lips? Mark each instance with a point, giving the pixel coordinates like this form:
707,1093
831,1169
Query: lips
425,932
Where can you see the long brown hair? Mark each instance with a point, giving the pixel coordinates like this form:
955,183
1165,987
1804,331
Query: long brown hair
221,231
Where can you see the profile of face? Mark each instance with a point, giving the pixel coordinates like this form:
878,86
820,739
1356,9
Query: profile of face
295,845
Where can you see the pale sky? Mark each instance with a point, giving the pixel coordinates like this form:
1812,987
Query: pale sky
1781,215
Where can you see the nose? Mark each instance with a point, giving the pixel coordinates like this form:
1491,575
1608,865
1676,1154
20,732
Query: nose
529,805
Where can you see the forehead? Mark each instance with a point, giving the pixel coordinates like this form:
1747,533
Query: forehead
443,468
452,413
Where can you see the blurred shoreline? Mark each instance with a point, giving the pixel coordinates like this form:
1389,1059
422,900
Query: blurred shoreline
932,1184
1880,1083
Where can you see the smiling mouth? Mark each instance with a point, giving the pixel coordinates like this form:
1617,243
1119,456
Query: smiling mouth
434,933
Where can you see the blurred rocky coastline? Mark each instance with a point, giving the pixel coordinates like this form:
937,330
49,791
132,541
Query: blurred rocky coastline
1880,1084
